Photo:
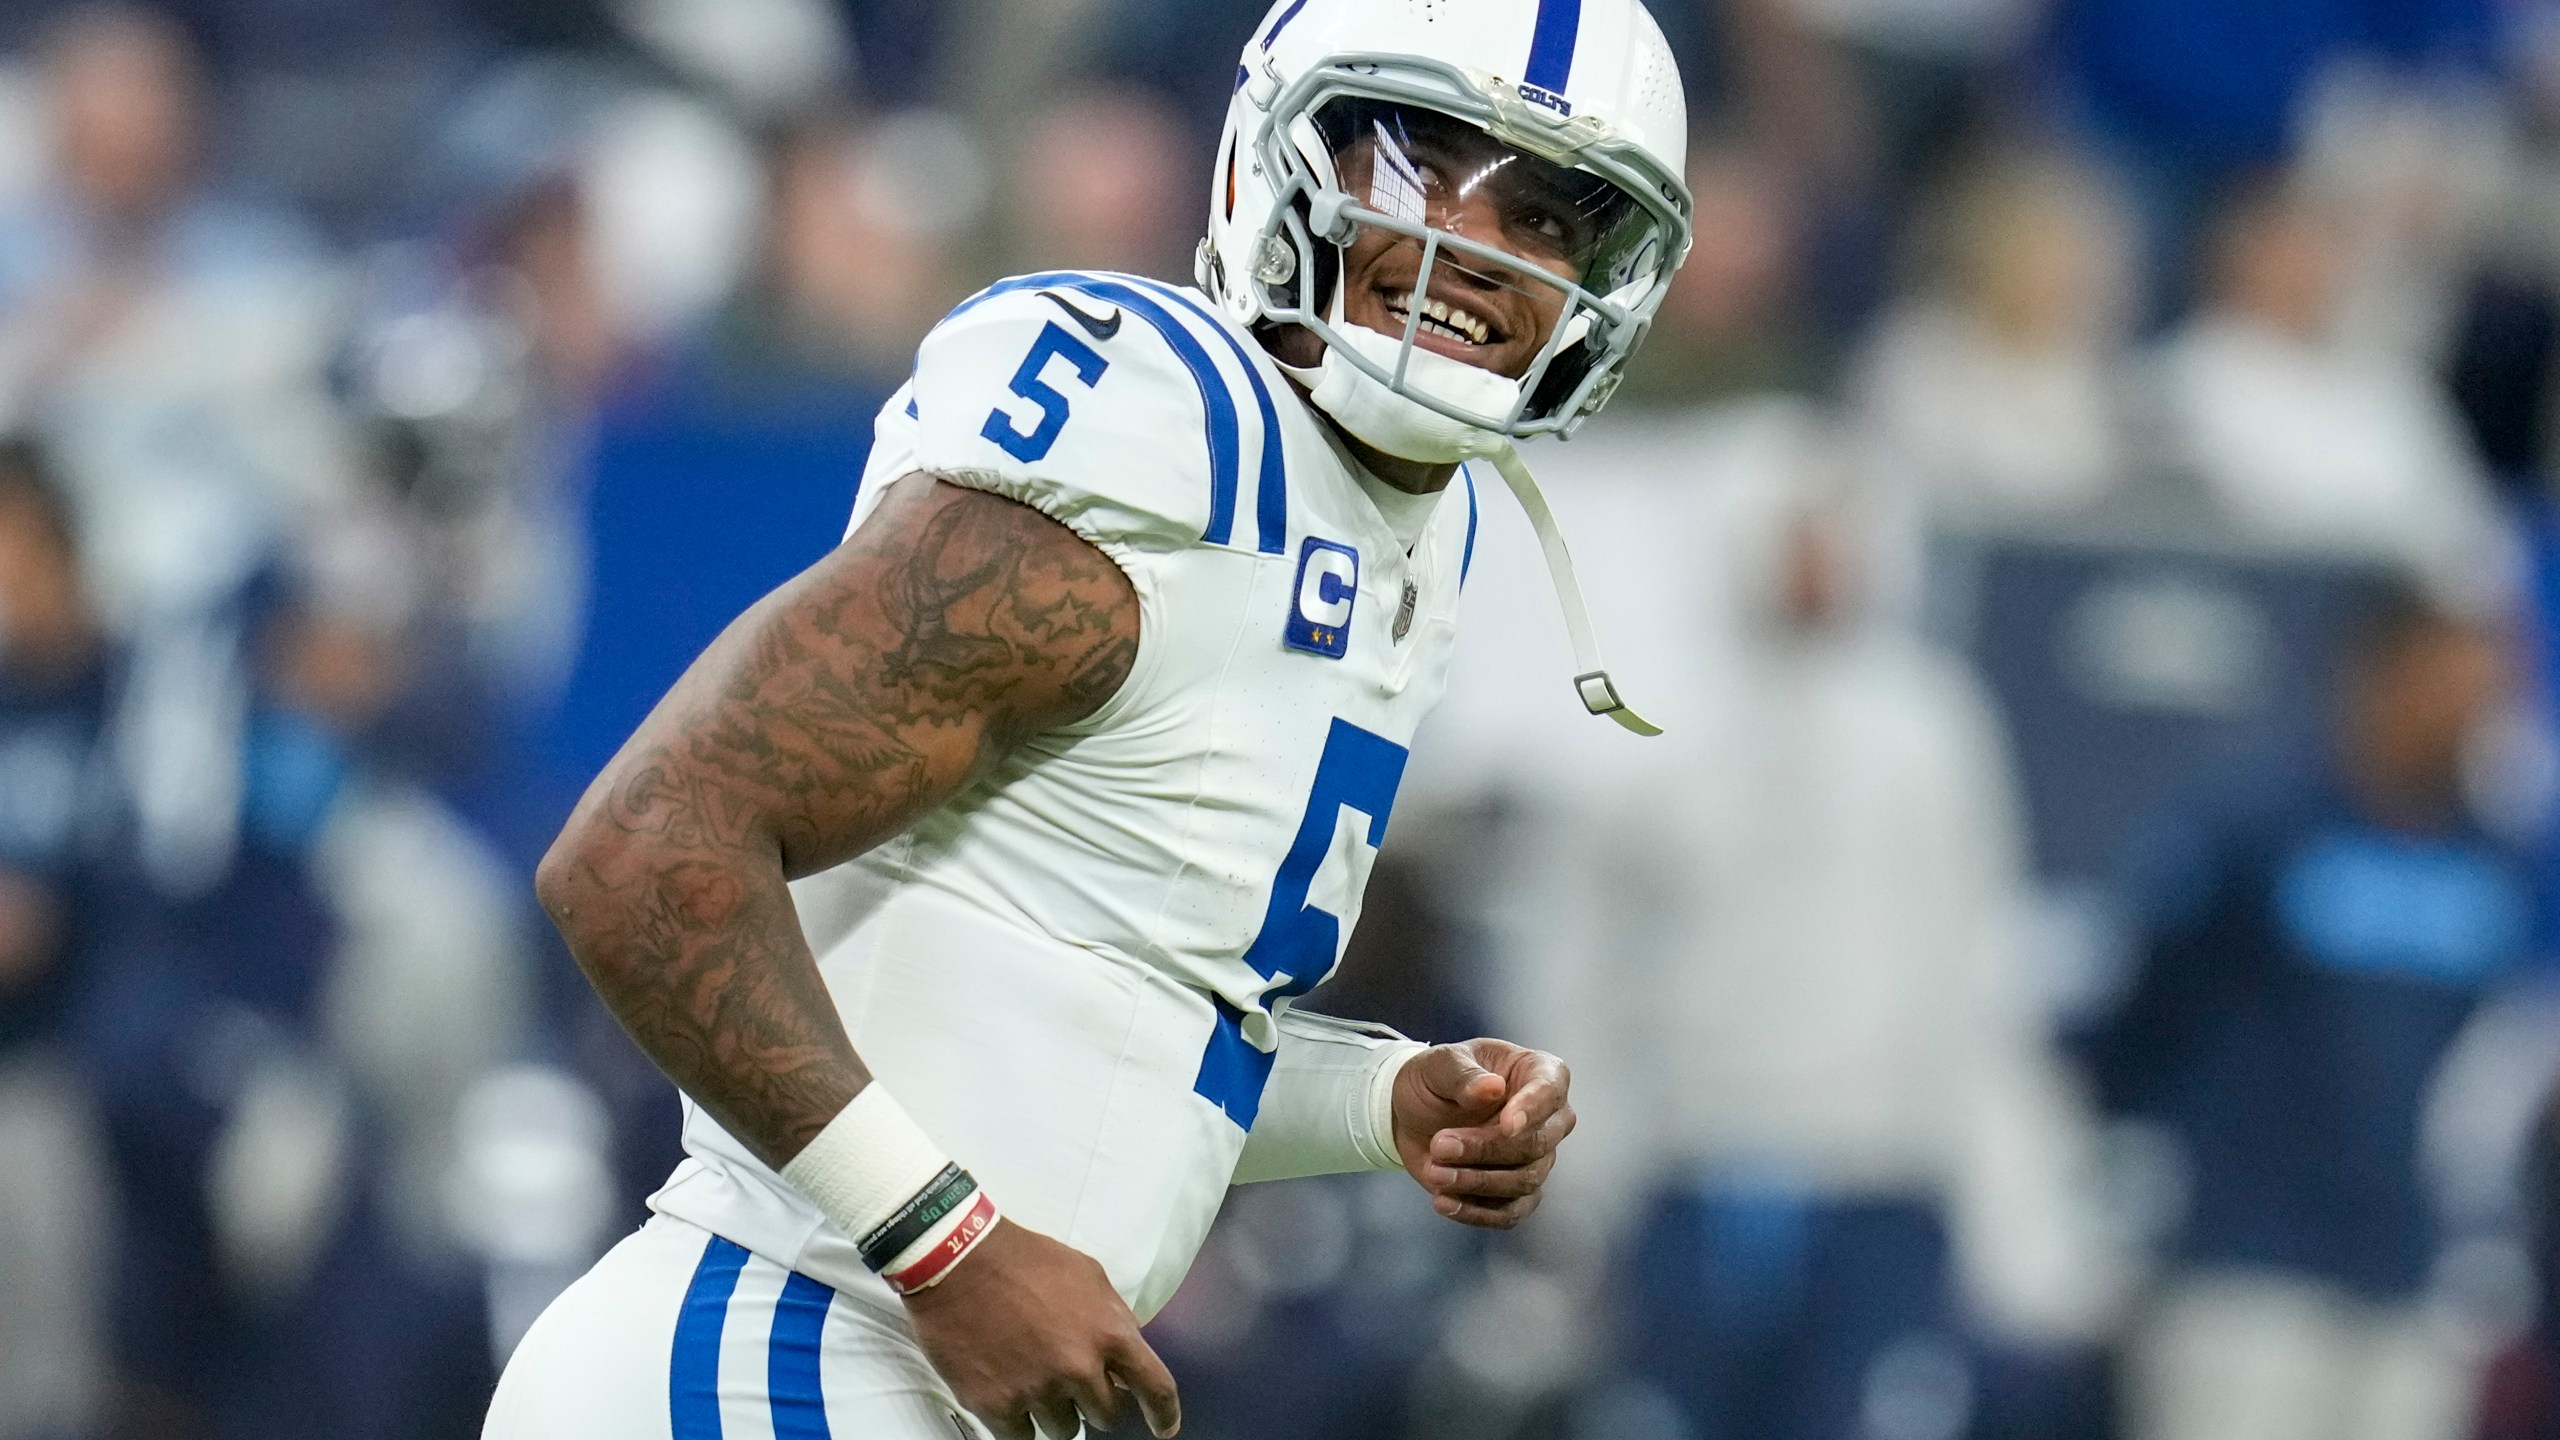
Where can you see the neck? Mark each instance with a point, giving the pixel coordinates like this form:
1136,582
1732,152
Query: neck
1413,477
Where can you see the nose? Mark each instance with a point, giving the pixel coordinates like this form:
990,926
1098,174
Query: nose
1472,214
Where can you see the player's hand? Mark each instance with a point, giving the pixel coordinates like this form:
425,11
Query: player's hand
1478,1124
1029,1330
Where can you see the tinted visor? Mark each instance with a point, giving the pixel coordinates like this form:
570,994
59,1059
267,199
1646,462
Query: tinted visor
1425,168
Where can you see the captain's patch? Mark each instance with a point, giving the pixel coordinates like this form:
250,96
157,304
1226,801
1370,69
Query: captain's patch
1320,609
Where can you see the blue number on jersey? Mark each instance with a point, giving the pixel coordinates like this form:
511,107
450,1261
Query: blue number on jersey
1054,343
1299,943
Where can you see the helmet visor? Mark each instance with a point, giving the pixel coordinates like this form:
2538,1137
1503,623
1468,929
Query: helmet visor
1429,170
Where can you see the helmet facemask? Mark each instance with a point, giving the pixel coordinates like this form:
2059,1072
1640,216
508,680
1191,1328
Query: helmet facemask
1506,261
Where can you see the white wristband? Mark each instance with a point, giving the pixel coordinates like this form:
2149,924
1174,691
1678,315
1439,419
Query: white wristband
869,1161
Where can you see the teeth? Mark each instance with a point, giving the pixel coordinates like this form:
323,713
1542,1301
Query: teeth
1452,320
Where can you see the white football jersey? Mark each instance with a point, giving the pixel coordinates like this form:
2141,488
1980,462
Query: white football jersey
1069,973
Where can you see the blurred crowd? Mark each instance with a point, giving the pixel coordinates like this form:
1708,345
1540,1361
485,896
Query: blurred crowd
2080,965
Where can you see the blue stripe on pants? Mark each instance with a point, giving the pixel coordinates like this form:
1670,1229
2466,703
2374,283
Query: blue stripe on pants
693,1371
791,1363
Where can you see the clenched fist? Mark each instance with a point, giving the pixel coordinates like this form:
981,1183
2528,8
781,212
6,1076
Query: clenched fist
1477,1123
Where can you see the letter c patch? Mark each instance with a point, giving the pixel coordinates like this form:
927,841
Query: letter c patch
1320,604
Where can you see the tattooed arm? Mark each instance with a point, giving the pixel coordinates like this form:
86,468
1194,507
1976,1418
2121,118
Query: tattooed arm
825,720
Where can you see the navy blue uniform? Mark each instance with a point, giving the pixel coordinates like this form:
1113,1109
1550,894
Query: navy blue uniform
52,786
2303,973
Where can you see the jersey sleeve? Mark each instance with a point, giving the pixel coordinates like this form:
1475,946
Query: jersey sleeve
1327,1108
1073,405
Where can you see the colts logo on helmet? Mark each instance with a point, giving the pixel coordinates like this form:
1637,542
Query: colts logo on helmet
1541,95
1320,604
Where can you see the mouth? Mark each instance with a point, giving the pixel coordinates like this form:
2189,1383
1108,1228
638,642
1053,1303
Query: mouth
1454,324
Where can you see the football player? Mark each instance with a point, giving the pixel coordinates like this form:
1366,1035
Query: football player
1093,725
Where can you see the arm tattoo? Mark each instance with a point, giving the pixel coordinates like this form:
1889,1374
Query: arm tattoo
944,632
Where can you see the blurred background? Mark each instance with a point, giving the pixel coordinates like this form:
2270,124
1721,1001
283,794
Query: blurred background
2080,965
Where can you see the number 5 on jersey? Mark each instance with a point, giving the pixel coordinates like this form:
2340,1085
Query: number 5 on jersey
1301,940
1054,344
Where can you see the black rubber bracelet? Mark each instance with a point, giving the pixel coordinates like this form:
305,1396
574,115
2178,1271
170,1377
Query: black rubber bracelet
948,1192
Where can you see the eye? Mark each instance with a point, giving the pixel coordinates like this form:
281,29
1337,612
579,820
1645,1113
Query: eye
1544,224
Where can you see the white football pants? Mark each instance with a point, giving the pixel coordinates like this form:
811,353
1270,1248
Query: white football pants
677,1334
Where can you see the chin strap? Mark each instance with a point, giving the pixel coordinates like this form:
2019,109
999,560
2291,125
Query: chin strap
1599,694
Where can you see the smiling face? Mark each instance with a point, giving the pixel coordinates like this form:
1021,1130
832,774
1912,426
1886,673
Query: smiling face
1428,169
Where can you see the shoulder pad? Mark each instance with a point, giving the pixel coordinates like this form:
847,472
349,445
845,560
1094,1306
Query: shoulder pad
1118,406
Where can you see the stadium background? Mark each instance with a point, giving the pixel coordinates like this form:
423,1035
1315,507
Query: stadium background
2083,515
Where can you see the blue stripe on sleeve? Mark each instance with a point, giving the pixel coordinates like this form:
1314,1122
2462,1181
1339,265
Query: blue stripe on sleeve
1551,44
1467,557
1271,496
1225,442
791,1360
693,1371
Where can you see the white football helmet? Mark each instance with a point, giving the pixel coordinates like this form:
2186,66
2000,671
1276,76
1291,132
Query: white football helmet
1572,107
1559,124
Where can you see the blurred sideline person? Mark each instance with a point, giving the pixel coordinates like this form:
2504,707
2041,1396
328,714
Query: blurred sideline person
1860,1146
855,267
1865,102
2302,436
2000,384
1735,324
167,342
55,677
2312,938
1094,724
1106,181
275,1055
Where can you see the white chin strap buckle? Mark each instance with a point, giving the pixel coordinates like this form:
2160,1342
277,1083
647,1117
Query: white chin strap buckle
1598,693
1600,696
